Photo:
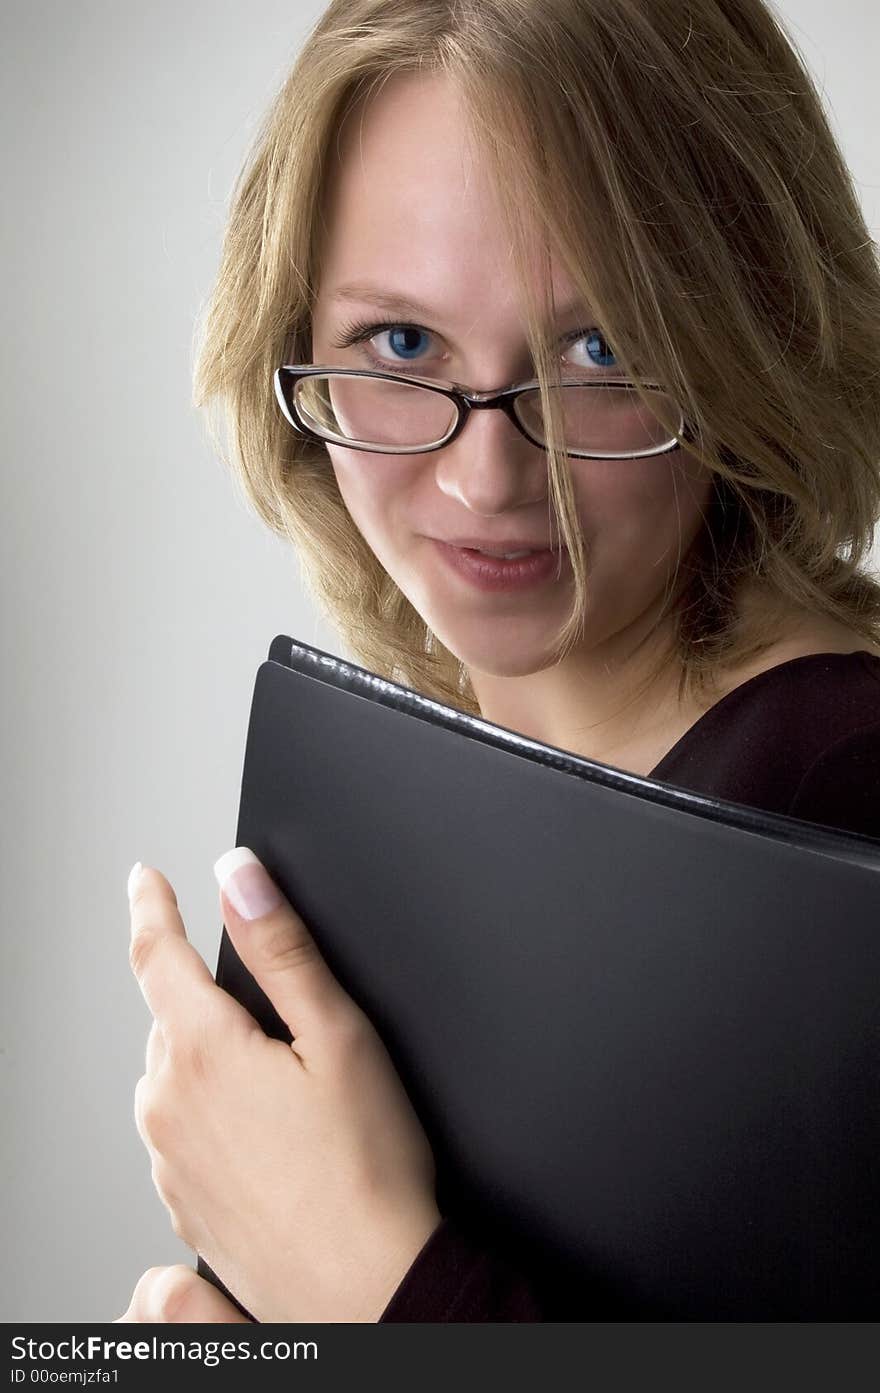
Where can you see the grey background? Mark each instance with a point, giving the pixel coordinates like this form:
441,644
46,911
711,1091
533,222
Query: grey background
138,592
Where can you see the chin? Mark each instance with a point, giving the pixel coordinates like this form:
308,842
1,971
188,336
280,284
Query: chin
524,667
501,648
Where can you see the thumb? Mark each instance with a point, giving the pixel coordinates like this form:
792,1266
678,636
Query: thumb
178,1296
275,945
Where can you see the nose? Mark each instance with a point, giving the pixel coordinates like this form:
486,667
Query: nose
491,468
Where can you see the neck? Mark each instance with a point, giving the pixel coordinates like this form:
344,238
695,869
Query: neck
594,702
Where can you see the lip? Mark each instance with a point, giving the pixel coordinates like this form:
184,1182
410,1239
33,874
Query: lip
494,574
494,544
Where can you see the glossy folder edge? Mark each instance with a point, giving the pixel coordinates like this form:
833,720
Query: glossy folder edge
312,662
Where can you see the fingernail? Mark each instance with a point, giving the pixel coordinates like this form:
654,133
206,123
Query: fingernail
246,883
134,876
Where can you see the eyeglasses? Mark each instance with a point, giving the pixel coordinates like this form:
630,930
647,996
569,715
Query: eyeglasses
384,412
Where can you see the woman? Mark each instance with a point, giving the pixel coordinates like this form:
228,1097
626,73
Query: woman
487,193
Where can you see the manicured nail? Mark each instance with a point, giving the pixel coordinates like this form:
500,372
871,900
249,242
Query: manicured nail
134,876
246,883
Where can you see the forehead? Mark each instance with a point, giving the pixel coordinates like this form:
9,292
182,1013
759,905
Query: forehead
409,206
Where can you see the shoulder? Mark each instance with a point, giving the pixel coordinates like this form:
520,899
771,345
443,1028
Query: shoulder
824,682
841,787
801,737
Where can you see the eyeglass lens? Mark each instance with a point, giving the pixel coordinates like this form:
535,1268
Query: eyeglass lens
402,415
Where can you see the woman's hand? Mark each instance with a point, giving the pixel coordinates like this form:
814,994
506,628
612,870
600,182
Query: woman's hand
178,1296
300,1172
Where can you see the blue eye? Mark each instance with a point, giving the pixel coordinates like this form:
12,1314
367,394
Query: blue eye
406,341
599,354
592,339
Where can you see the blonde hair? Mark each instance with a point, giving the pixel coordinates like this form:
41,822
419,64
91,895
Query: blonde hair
728,259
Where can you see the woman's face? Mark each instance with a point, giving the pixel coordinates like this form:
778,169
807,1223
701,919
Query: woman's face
413,239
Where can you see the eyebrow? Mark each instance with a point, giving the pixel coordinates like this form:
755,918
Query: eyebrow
403,304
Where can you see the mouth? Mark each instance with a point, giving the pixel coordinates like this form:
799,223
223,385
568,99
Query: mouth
506,555
502,571
507,547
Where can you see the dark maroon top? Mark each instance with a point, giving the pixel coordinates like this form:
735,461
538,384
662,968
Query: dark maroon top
802,738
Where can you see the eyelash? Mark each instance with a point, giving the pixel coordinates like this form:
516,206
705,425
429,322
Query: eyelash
360,330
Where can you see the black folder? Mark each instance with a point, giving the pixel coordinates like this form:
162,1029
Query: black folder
640,1026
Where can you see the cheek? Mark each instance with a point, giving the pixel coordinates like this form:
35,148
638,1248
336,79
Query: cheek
635,504
374,489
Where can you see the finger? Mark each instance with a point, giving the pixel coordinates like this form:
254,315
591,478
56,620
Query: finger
156,1050
139,1097
275,945
178,1296
142,1099
170,972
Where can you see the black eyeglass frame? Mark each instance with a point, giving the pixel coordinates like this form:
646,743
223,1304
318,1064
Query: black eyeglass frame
462,398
